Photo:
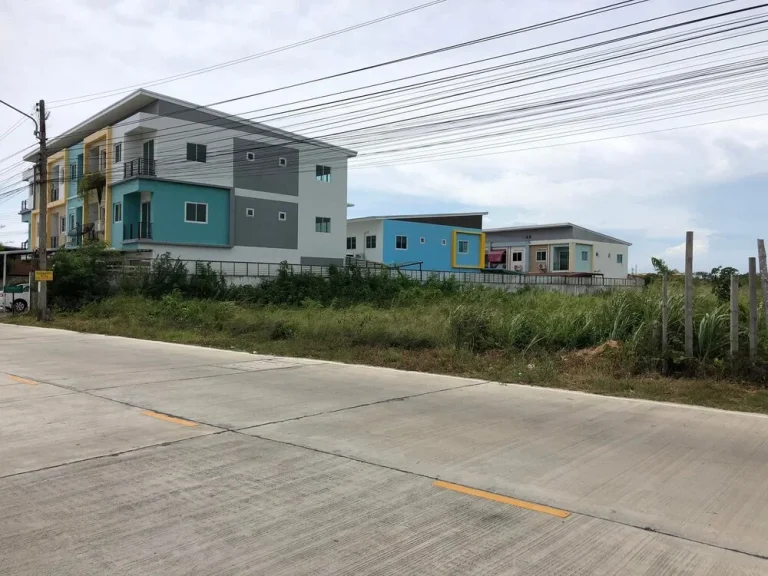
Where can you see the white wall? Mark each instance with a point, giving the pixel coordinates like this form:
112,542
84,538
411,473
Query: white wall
606,264
361,228
324,199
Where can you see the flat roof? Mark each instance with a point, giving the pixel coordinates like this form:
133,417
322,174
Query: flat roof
557,225
141,98
403,216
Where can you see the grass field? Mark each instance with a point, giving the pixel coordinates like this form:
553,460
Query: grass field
537,338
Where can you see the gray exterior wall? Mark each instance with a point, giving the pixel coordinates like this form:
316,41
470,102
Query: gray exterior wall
312,261
264,174
264,229
532,235
474,221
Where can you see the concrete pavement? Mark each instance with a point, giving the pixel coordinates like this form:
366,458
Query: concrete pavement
120,456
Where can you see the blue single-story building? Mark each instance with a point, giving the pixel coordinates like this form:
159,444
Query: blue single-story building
430,241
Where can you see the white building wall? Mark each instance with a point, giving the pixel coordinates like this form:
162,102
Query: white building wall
323,199
362,228
604,259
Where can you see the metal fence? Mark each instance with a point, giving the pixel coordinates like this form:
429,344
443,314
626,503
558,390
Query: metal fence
232,269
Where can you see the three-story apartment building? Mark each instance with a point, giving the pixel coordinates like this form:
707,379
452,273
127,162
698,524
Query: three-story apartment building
194,182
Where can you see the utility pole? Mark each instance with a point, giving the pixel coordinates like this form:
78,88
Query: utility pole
42,196
42,229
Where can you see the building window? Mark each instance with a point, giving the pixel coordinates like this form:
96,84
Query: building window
282,216
102,160
250,156
118,152
323,225
584,256
80,165
541,255
102,214
323,173
71,221
370,241
118,209
517,256
62,224
55,183
73,171
250,212
196,152
401,242
196,212
444,242
619,258
463,246
351,243
282,161
422,240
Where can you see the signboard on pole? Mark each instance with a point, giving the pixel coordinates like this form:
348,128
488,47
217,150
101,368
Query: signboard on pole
13,289
43,275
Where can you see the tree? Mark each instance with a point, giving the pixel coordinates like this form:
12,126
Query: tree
721,282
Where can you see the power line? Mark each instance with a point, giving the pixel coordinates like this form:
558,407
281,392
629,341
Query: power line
167,79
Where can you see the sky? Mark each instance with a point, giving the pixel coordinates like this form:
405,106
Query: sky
647,183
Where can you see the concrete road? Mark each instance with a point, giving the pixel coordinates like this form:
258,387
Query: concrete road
120,456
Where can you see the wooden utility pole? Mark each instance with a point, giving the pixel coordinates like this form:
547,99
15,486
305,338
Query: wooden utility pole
734,315
689,294
752,308
763,276
42,228
664,326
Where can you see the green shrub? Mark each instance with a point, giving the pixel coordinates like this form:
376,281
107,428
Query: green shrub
82,276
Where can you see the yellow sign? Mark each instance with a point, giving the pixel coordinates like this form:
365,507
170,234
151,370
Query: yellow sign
43,275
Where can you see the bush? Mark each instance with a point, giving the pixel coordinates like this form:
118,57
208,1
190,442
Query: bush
82,276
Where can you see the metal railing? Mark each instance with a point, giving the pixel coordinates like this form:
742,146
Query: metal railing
139,167
235,269
137,231
25,206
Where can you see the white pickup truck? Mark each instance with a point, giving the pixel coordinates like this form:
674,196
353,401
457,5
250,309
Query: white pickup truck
16,299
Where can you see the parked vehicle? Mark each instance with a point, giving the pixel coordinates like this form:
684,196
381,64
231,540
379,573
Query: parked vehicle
15,298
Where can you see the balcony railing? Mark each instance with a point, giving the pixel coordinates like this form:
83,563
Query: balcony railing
54,242
25,206
25,245
137,231
139,167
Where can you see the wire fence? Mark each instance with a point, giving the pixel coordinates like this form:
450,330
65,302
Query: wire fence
265,270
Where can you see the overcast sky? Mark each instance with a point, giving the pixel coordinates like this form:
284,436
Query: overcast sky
648,189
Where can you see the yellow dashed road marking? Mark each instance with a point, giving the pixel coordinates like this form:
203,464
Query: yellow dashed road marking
502,499
169,418
21,380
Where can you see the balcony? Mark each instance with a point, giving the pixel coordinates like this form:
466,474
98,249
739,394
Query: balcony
25,245
54,242
137,231
25,207
139,167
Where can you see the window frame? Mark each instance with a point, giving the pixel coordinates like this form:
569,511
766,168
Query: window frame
197,204
585,255
73,171
322,222
517,253
370,242
250,213
401,242
444,242
464,244
320,173
541,252
351,242
282,216
117,153
250,156
282,162
62,224
422,240
619,258
117,207
196,155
